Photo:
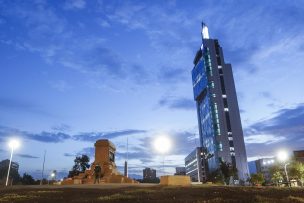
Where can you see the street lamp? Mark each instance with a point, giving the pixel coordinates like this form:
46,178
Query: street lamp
283,156
162,144
53,174
13,144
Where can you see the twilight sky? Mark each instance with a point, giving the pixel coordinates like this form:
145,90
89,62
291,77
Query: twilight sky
77,71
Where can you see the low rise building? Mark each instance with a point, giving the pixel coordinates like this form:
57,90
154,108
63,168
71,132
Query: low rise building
195,165
149,174
299,155
263,166
180,171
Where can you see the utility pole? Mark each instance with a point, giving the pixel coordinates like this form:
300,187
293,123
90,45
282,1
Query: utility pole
42,167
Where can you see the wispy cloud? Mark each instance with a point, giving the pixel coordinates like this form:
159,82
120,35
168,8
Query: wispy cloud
75,4
61,128
177,103
21,105
27,156
60,85
56,137
284,130
69,155
93,136
263,139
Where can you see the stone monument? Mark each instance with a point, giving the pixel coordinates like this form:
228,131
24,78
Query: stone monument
105,157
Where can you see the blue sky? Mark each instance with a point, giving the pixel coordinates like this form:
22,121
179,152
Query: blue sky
77,71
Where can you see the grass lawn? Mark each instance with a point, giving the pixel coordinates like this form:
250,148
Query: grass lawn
197,194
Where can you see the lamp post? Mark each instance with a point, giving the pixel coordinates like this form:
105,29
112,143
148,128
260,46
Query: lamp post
162,144
283,156
13,144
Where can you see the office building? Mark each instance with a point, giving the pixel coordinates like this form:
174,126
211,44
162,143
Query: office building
14,175
180,171
299,155
195,165
149,174
263,166
219,122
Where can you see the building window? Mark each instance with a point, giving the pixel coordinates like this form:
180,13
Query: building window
224,96
221,71
214,95
231,149
230,138
226,109
225,102
222,85
231,143
211,84
220,147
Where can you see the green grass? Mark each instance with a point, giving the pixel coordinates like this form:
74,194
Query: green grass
296,199
116,196
11,197
140,190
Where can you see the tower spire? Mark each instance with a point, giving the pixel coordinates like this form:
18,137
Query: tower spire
205,33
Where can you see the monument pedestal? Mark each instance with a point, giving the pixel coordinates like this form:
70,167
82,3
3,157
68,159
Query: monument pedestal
104,157
175,180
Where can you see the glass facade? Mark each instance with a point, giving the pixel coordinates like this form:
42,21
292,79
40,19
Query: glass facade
199,79
207,110
207,127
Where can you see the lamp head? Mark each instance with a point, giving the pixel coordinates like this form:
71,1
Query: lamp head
14,144
282,156
162,144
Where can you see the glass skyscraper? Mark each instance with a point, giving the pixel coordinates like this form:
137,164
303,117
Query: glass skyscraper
219,122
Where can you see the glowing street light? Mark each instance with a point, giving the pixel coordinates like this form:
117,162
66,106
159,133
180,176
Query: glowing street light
162,144
13,144
283,157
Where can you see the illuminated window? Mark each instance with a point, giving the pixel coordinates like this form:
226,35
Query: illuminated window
224,96
211,84
220,147
226,109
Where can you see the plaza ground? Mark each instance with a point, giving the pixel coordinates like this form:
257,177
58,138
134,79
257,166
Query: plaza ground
149,193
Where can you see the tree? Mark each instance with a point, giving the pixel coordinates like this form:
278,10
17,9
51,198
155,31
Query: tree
297,171
81,163
257,179
216,177
27,179
276,174
227,170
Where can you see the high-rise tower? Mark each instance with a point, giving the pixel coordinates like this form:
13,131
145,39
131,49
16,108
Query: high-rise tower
219,122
